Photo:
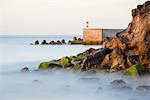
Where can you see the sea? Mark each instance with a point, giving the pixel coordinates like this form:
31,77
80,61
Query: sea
16,53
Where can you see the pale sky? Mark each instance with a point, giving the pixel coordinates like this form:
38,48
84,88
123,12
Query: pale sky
30,17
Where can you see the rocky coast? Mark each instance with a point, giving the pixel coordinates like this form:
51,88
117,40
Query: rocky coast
128,52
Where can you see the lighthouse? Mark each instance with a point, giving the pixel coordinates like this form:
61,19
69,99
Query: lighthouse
87,24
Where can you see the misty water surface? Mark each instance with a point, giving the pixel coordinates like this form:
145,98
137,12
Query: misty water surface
16,53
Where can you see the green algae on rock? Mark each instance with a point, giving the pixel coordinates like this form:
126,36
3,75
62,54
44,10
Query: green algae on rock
64,62
134,70
46,65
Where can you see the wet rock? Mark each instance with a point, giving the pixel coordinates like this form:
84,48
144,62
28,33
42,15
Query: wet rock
79,39
107,42
134,70
118,84
44,42
44,65
117,59
69,42
94,59
36,42
106,62
81,56
74,38
52,42
143,88
49,65
77,68
113,70
64,62
63,41
91,71
101,52
25,69
58,42
73,58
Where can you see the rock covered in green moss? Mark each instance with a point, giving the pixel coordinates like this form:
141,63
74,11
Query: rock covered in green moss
49,64
134,70
64,62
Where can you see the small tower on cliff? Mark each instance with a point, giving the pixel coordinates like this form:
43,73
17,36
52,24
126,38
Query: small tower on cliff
87,24
92,36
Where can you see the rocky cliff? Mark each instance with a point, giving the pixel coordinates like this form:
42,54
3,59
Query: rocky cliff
132,46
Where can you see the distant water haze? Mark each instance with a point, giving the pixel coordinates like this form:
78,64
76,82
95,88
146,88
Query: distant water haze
28,17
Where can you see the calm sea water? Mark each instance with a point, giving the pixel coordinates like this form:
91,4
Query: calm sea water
16,52
16,49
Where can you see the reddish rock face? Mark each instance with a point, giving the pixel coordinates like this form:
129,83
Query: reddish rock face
134,41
